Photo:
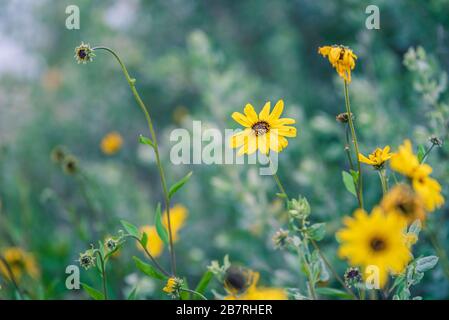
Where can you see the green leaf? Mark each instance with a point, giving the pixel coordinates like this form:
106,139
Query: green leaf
355,176
317,231
348,180
132,294
178,185
130,228
281,195
161,231
144,240
421,153
93,293
148,269
426,263
204,282
145,140
332,292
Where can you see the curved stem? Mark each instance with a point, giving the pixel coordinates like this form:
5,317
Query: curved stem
194,292
131,82
12,279
356,146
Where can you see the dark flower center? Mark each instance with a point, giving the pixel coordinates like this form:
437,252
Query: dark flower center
377,244
82,53
236,279
405,207
353,274
260,128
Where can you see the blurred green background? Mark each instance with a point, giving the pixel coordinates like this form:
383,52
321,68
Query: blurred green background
203,60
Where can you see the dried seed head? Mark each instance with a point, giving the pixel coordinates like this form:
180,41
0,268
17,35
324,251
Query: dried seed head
436,141
352,276
111,244
70,165
281,239
84,53
58,154
87,259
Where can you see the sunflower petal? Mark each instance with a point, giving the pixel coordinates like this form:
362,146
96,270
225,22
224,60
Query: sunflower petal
251,115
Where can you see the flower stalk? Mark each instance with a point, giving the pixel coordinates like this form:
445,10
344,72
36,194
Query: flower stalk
356,145
132,82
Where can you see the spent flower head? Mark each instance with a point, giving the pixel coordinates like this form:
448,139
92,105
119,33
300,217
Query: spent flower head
352,276
341,58
84,53
58,154
281,239
70,165
436,141
87,259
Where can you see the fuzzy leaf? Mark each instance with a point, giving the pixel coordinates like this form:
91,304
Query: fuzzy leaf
421,153
317,231
426,263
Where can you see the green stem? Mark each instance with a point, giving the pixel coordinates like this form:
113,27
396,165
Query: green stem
12,279
356,146
309,274
427,153
383,181
315,245
347,148
440,251
332,269
151,257
103,274
132,82
194,292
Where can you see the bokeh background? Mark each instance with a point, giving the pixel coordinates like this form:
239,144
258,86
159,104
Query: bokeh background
202,60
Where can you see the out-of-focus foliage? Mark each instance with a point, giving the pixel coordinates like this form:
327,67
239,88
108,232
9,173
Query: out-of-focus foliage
202,60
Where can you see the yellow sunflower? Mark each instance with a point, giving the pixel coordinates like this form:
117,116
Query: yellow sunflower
407,163
257,293
264,131
402,200
341,58
155,246
111,143
375,240
20,262
377,158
